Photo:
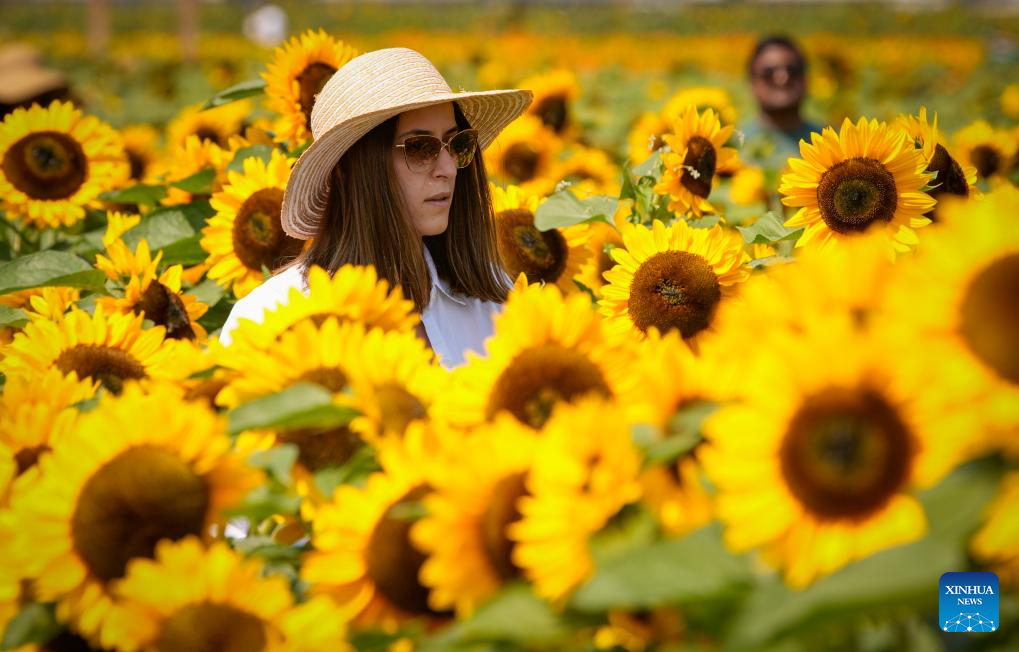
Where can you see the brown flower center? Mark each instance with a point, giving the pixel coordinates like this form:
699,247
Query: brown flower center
398,408
855,193
258,236
46,165
986,159
139,162
211,135
209,627
554,112
674,290
699,166
138,498
165,308
501,512
392,562
989,314
110,366
319,449
950,179
846,452
27,457
311,80
541,377
68,642
541,255
520,162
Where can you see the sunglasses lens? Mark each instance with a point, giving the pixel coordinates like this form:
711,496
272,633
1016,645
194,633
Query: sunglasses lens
421,151
462,147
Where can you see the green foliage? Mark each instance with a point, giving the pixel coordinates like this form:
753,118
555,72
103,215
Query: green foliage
50,269
564,209
244,89
302,405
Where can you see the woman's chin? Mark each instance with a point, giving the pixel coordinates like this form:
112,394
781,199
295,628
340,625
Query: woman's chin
432,225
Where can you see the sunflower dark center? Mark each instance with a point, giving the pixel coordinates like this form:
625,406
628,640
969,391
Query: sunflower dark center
855,193
501,512
540,255
398,408
46,165
521,162
141,496
846,453
165,308
209,627
950,180
27,457
68,642
986,159
331,378
138,162
554,112
311,80
258,236
209,134
699,166
541,377
392,562
318,449
110,366
674,290
989,315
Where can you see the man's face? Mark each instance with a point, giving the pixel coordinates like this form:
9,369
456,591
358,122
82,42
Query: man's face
777,79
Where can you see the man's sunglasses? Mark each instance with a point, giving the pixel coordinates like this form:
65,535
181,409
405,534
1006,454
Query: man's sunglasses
770,73
421,152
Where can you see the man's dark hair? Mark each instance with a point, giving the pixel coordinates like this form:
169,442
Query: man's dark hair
768,41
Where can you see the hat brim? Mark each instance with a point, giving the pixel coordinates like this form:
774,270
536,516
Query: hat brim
307,191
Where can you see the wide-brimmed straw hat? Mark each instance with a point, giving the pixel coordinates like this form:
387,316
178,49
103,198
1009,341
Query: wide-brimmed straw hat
364,93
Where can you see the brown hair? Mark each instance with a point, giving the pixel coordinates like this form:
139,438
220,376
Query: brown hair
365,224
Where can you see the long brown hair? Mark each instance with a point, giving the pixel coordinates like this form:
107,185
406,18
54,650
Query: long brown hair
365,224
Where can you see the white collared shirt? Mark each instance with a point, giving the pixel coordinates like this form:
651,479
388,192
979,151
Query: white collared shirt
454,323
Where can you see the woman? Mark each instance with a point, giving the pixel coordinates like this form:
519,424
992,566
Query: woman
395,179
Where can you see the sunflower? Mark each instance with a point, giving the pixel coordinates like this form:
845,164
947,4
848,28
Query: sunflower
141,143
214,125
867,174
552,256
160,299
995,541
363,556
951,178
987,149
110,349
697,149
194,156
588,171
554,94
672,277
601,239
54,163
646,136
818,462
547,350
298,71
960,296
702,98
575,485
640,631
114,488
524,153
220,601
464,531
36,411
354,293
246,235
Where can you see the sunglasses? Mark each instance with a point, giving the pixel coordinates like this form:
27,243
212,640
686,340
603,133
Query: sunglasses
421,152
770,73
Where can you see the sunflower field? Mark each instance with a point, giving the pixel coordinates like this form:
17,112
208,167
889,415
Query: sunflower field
738,399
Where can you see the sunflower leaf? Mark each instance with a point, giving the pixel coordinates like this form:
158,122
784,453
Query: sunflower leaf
263,152
35,623
277,460
564,209
50,269
768,229
143,194
302,405
12,317
248,88
199,183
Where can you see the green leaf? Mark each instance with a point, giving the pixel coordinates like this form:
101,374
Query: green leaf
171,231
515,614
199,183
208,292
905,575
239,91
185,252
302,405
267,548
768,229
263,152
693,568
954,506
50,269
264,502
277,460
564,209
143,194
652,167
35,623
12,317
360,465
770,261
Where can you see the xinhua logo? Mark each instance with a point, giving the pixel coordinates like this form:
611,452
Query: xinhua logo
969,602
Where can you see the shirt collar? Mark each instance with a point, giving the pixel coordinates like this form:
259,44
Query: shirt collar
438,282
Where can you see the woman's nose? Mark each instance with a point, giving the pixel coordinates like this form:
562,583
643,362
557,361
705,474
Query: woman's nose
445,166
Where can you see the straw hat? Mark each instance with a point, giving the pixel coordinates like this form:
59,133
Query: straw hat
23,77
364,93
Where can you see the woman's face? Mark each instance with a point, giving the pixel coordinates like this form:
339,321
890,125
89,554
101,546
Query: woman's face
427,195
